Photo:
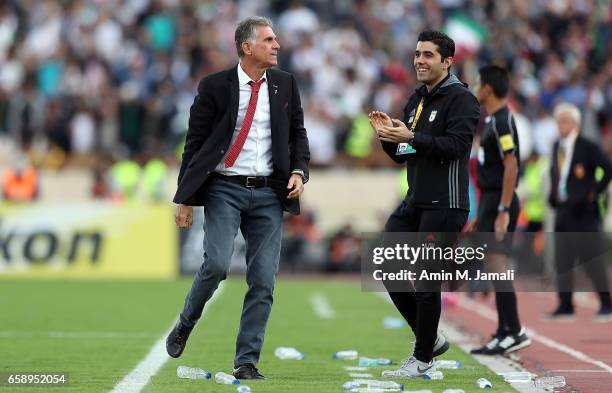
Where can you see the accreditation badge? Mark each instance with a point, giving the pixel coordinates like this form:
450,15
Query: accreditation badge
404,148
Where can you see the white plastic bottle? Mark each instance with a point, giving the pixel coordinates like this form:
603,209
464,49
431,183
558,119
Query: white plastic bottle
516,376
288,353
449,364
368,362
550,382
226,379
483,383
191,373
433,375
347,355
243,389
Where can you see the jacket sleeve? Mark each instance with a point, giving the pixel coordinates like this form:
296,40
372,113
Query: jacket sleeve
462,119
299,152
600,160
201,115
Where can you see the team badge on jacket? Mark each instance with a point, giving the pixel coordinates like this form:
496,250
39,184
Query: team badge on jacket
579,171
432,116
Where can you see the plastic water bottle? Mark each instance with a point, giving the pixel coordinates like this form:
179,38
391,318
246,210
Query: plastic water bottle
243,389
393,323
369,362
346,355
450,364
483,383
350,385
550,382
226,379
374,383
454,391
192,373
288,353
433,375
516,376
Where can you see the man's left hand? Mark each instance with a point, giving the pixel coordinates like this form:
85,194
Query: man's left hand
295,185
501,225
399,133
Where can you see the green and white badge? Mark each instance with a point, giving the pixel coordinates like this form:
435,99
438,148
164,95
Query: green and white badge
404,148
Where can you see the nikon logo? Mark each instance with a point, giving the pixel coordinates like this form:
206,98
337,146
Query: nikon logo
43,246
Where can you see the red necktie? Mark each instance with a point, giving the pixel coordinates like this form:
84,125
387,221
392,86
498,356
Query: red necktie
234,151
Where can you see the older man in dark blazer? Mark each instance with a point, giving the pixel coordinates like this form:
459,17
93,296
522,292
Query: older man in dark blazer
574,193
245,160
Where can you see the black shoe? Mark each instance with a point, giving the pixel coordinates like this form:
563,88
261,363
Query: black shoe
247,371
440,346
490,345
604,314
177,339
560,314
510,343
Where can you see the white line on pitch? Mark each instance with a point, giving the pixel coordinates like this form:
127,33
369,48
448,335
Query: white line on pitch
321,306
76,335
578,371
488,313
137,379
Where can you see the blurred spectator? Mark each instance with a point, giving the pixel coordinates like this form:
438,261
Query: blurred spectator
302,243
87,77
344,251
20,184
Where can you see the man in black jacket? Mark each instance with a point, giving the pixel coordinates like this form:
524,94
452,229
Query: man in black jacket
245,160
434,142
498,207
574,193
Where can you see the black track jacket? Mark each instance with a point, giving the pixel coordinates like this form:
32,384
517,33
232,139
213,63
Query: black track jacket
438,173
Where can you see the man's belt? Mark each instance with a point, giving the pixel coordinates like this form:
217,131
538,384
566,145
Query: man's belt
249,181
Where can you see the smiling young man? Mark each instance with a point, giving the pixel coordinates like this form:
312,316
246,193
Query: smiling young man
434,141
245,160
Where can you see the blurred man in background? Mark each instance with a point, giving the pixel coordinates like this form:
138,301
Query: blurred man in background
574,193
21,182
498,207
434,142
245,160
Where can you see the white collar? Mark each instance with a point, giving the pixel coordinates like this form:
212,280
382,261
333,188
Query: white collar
569,139
244,79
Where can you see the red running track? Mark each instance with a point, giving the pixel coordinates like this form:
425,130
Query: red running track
581,350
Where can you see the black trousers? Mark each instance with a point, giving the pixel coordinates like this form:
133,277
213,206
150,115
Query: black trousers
586,250
505,297
421,309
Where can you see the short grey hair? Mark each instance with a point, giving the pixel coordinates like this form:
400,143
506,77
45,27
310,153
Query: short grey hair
245,32
571,109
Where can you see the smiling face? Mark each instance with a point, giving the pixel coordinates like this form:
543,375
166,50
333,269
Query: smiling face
428,63
264,51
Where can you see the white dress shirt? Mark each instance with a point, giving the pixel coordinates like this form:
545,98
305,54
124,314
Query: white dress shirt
255,158
567,145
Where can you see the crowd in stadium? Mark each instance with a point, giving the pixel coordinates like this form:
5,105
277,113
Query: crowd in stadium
84,80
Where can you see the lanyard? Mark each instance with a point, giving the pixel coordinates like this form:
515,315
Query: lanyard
417,115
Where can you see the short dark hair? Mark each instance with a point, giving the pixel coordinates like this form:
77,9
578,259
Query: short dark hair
497,77
445,44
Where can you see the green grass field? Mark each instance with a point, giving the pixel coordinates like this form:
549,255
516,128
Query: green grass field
99,331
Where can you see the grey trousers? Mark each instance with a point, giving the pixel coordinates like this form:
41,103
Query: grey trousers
259,215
